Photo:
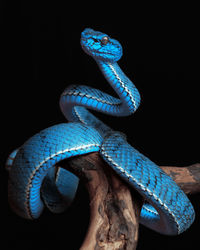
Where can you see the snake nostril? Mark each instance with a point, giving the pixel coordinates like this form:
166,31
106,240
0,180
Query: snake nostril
87,31
95,40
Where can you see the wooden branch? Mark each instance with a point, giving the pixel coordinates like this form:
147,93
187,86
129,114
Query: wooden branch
114,209
114,213
188,178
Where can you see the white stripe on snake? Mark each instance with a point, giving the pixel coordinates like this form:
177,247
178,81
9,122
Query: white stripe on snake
34,180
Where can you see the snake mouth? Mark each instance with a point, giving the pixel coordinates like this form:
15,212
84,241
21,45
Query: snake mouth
93,44
86,46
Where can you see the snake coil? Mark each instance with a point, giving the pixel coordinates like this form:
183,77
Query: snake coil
33,179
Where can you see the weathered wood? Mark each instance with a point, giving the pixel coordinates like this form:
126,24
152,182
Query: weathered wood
114,210
114,213
188,178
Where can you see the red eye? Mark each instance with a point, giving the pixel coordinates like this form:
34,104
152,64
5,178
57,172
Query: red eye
104,40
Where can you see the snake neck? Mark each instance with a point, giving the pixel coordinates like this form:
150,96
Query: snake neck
123,86
76,100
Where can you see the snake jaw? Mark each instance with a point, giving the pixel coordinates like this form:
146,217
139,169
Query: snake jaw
100,46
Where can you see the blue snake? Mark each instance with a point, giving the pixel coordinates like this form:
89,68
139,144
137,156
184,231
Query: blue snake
34,181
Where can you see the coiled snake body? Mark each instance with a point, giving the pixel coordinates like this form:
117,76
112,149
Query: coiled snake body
33,179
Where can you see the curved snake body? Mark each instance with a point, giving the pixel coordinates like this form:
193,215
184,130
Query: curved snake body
33,178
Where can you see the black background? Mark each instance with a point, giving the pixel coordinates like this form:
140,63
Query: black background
42,55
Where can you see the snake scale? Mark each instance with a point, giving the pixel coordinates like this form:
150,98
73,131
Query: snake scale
34,181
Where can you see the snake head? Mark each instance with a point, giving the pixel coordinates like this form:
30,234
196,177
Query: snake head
100,46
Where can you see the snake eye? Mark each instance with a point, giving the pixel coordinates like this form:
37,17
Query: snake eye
104,40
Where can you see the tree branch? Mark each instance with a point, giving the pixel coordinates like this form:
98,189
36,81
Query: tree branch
188,178
114,214
114,209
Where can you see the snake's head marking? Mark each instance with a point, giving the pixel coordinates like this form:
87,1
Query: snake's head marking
100,46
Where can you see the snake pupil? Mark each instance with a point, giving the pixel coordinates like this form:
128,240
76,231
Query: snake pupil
104,40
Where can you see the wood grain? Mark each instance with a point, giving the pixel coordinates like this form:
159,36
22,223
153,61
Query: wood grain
114,209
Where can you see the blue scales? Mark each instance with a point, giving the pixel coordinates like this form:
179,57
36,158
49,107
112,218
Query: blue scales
34,179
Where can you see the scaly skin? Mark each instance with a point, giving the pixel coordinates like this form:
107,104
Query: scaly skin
166,210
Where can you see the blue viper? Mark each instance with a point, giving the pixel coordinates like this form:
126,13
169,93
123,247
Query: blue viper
34,180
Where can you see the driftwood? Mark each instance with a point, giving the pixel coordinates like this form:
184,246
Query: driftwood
114,209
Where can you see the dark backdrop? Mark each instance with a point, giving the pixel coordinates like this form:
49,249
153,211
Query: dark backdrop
42,55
